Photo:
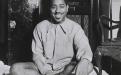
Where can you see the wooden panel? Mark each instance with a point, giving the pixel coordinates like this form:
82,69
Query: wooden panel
79,7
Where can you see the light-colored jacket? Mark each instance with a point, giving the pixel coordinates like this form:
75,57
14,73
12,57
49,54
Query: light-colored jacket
55,45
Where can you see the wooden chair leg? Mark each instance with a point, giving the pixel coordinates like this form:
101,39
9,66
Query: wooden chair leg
99,63
98,59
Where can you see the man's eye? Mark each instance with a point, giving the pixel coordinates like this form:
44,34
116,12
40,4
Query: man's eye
62,6
53,7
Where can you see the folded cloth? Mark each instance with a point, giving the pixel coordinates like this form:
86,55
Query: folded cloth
4,69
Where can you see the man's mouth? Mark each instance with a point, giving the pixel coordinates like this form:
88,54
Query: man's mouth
58,16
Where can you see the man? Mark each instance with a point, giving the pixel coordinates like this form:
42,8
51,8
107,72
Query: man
56,42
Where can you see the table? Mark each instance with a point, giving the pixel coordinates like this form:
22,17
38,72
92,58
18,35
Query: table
111,49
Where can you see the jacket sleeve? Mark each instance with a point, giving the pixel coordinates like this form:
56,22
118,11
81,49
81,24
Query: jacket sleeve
37,50
82,45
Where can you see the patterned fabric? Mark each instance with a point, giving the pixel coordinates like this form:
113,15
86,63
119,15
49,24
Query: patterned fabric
83,20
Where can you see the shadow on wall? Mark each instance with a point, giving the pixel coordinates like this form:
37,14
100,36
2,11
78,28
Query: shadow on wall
44,9
41,13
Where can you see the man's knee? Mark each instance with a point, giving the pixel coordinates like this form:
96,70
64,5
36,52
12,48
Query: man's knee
90,68
23,69
32,72
16,69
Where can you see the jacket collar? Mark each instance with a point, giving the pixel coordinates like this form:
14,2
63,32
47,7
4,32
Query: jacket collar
64,25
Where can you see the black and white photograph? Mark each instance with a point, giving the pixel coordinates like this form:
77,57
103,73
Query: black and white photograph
60,37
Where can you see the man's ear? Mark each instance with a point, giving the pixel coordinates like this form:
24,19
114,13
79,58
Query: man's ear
67,7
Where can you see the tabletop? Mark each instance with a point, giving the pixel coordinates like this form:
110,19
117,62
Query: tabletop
112,49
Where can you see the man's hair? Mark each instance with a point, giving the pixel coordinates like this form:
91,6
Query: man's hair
50,2
66,1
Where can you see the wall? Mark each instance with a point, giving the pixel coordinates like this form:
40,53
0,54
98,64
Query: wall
115,13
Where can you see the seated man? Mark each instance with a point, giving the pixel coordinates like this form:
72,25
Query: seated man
56,41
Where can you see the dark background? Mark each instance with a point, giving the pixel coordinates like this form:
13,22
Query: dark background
3,28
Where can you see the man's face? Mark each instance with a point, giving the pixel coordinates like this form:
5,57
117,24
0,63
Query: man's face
59,10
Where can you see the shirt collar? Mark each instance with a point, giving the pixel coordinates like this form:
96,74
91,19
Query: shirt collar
64,25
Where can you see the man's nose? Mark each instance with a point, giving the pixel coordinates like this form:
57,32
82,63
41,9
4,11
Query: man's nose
57,10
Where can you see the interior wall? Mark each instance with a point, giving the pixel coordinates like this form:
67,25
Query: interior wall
116,4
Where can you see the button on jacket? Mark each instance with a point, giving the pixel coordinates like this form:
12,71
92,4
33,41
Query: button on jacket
57,44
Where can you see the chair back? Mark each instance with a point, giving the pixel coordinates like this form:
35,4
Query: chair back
104,22
119,31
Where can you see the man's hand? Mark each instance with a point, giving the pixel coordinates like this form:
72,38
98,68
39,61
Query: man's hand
83,67
46,68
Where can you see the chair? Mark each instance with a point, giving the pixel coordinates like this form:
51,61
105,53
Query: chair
110,47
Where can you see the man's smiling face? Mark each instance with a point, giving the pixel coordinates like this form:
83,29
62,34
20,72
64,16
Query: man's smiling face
58,10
